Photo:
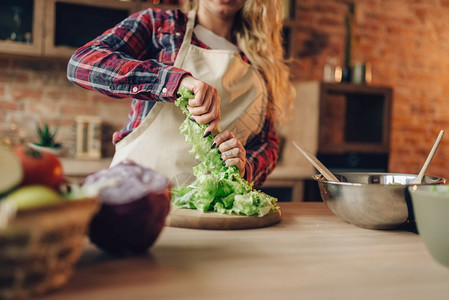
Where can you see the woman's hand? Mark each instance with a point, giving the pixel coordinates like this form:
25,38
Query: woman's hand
232,150
205,107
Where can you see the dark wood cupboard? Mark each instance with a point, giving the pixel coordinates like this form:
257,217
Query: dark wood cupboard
347,126
354,126
55,28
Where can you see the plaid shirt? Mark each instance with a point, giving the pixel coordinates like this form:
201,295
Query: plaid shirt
135,59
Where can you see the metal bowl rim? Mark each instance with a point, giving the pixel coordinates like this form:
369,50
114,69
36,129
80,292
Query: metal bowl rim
317,176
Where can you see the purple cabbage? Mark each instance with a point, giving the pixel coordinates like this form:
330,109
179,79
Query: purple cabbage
134,204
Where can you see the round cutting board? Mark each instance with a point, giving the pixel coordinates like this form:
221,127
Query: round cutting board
192,218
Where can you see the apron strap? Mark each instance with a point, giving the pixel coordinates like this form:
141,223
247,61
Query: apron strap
187,39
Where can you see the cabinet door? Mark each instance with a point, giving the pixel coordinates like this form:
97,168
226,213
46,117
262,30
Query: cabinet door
354,118
69,24
21,26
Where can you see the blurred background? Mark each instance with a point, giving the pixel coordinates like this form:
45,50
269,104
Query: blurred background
391,53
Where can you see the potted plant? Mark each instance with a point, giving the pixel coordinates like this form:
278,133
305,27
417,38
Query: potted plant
47,141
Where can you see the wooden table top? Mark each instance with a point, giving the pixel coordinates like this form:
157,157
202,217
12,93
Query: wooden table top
311,254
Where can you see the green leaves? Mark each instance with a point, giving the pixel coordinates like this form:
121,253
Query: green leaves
47,136
216,187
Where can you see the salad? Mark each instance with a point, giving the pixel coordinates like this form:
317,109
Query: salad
216,187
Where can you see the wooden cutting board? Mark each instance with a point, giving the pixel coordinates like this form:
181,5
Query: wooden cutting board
192,218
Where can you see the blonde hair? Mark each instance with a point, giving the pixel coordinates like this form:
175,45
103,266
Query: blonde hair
258,32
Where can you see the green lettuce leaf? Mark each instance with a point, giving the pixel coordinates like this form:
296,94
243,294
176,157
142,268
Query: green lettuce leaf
216,187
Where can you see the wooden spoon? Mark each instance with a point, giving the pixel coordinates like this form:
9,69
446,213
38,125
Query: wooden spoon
420,176
317,164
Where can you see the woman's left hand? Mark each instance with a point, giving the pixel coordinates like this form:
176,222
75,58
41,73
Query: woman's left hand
232,150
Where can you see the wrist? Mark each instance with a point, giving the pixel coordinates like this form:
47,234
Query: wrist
185,81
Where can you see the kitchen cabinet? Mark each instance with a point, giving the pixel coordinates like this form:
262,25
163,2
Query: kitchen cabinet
21,26
56,28
362,114
70,24
354,125
347,126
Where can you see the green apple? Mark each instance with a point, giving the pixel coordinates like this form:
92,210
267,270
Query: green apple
34,196
11,172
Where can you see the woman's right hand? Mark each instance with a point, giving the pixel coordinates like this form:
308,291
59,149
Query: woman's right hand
205,107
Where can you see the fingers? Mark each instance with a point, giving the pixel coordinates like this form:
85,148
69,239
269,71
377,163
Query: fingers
200,105
231,155
232,150
236,151
205,106
207,111
222,137
213,126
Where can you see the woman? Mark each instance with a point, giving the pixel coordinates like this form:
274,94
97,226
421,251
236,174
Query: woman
227,52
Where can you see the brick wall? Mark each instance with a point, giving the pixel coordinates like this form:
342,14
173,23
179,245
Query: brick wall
406,41
34,90
407,44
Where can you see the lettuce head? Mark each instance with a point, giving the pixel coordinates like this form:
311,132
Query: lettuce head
216,187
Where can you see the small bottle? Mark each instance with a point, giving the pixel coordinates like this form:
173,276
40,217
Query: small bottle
331,71
338,74
28,38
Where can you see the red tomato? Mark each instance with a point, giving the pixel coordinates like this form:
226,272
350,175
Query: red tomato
40,167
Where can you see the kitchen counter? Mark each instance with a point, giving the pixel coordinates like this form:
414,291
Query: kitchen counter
311,254
82,167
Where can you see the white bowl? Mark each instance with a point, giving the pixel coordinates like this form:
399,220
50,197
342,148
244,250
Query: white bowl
431,209
54,151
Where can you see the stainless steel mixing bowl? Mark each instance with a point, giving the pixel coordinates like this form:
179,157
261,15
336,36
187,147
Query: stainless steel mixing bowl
371,200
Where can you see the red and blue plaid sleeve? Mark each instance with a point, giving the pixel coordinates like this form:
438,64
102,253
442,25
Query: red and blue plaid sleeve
262,153
133,59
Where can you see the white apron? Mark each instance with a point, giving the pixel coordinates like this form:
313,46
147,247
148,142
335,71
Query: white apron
157,143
